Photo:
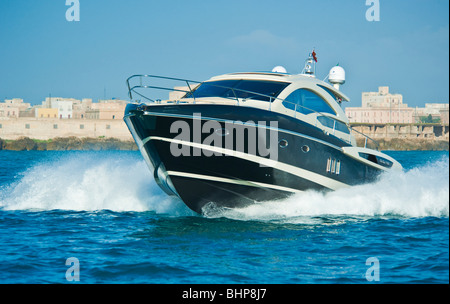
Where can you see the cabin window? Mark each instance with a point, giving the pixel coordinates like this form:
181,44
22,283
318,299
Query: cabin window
377,159
306,102
333,124
239,88
334,95
283,143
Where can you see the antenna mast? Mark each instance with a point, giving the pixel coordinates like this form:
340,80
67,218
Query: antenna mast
310,65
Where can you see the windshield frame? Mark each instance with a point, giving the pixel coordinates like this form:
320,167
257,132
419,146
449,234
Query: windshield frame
255,89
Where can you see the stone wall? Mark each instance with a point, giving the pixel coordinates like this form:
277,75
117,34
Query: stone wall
45,129
430,131
404,136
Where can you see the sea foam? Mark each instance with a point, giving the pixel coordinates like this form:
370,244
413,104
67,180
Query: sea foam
123,183
89,182
419,192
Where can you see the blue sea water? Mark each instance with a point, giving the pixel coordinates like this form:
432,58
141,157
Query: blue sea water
104,209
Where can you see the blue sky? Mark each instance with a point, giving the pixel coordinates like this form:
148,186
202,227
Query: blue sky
41,53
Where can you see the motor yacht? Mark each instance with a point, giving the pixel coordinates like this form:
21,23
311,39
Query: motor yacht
244,138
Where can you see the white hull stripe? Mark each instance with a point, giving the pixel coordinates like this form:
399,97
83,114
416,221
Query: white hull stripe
232,181
308,175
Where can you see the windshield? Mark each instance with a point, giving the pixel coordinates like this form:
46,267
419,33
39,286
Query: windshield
239,88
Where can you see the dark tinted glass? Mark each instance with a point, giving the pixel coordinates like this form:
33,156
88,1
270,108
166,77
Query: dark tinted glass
307,102
377,159
249,89
337,98
332,123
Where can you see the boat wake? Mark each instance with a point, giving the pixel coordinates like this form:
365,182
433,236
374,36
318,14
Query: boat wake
419,192
89,182
118,183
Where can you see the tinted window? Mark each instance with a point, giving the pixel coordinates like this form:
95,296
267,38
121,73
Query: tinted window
377,159
335,97
249,89
214,89
307,102
333,124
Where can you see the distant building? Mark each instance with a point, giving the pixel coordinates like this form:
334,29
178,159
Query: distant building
107,109
444,117
46,112
18,102
8,111
64,106
30,112
436,111
79,108
381,99
12,108
381,107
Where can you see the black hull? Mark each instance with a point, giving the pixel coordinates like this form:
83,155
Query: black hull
197,193
306,157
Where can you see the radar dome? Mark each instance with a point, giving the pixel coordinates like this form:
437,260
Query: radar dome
337,75
279,69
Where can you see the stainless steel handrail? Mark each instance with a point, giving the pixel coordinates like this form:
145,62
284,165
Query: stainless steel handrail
132,89
366,138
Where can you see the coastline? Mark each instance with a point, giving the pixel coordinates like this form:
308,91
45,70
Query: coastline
408,144
67,144
103,143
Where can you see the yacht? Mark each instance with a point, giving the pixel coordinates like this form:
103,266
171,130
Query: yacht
244,138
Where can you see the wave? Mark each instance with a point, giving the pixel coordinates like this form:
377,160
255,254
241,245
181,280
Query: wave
419,192
89,182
